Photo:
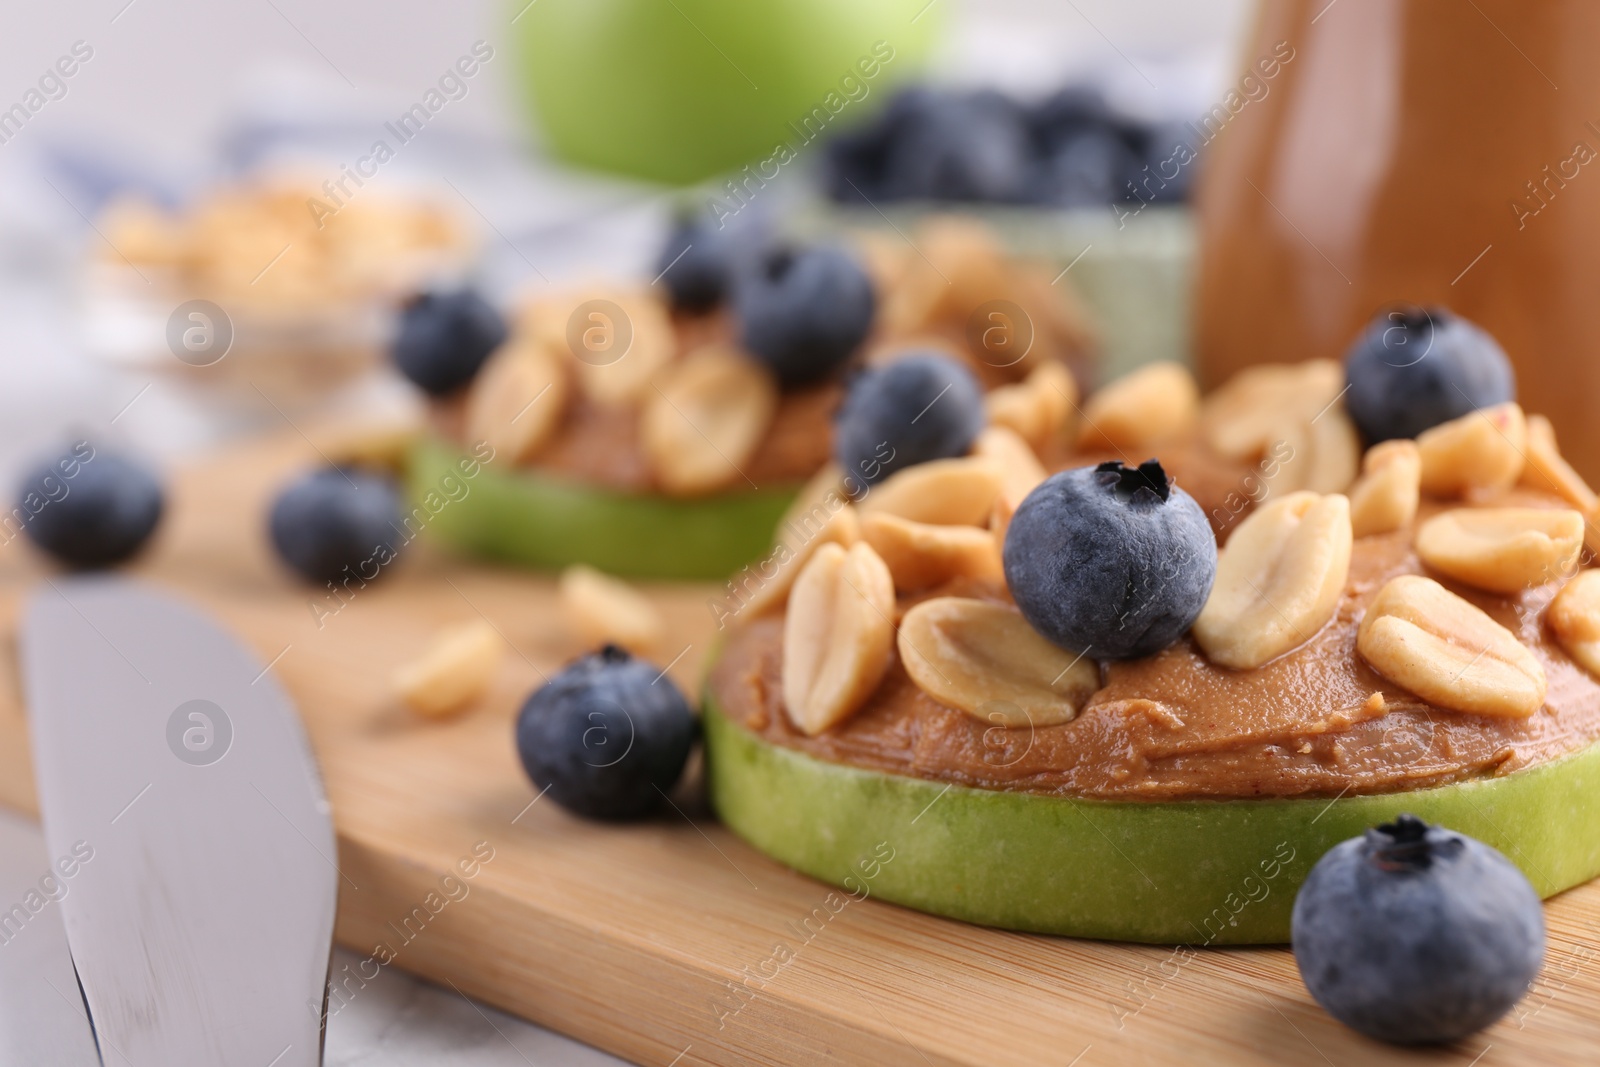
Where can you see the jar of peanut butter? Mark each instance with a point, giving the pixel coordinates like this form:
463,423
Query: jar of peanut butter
1411,151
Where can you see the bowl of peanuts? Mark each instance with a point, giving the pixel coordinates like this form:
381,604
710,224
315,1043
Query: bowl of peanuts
261,292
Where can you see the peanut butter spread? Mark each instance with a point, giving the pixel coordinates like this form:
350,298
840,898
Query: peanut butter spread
1316,721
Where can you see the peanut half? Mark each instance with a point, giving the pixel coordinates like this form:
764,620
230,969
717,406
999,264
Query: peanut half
1549,472
1481,452
789,557
618,342
836,636
1385,497
1324,452
1423,637
1020,469
1040,408
455,670
950,492
1574,618
518,400
603,610
984,659
921,555
1245,416
705,420
1157,403
1503,550
1278,580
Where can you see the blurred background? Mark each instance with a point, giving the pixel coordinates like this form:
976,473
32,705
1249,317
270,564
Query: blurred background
172,100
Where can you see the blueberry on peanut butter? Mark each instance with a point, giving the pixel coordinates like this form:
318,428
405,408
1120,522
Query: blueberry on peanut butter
803,311
921,407
696,264
1411,370
1416,934
444,338
1112,561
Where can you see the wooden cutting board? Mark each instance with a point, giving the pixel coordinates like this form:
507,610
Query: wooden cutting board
671,942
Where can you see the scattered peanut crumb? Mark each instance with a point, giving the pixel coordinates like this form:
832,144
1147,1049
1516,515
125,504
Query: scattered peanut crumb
606,610
454,672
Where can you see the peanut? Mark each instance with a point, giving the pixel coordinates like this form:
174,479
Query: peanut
455,671
616,358
1504,550
518,400
1155,404
604,610
1385,497
1574,618
1020,469
793,550
1325,452
921,555
1423,637
1479,453
949,492
984,659
705,420
836,636
1278,580
1040,408
1244,417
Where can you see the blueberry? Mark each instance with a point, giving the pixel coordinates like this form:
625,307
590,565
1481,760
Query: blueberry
89,508
444,338
1166,165
608,736
1111,561
337,524
965,147
803,312
1089,169
696,264
1065,114
1416,934
921,407
1412,369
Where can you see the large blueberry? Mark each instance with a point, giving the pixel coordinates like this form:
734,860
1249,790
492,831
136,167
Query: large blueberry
696,264
337,524
608,736
971,146
89,508
444,338
803,312
1111,561
921,407
1416,934
1412,369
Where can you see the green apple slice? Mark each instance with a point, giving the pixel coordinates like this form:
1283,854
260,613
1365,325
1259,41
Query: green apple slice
527,518
1201,872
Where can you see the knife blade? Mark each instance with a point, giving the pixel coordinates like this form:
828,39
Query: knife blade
202,928
42,1016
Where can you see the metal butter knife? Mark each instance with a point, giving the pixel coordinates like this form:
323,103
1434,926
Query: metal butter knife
42,1016
202,924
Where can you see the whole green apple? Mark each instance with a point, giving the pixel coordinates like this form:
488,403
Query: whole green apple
680,90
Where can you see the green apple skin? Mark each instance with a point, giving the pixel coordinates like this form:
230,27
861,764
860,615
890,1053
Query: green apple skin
1202,872
524,518
679,90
